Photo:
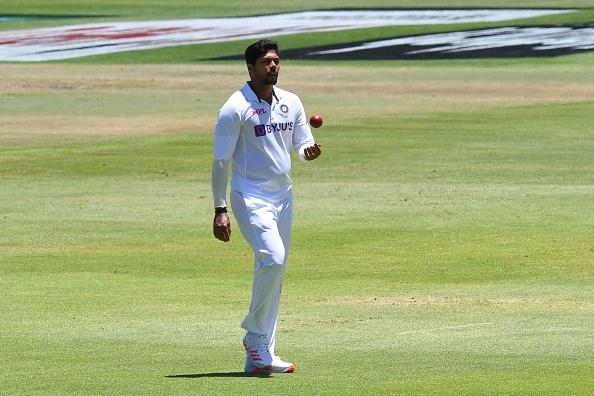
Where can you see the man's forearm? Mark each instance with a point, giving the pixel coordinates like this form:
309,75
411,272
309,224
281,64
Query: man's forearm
220,177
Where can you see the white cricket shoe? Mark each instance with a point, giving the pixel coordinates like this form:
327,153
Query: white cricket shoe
259,356
278,366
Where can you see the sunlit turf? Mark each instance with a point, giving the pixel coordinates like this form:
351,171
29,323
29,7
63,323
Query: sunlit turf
445,253
442,243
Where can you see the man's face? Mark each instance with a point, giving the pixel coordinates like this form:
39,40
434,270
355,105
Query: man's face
265,70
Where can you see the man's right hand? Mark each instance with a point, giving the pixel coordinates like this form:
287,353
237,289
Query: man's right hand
221,227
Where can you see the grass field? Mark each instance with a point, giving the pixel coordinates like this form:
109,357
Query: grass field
443,244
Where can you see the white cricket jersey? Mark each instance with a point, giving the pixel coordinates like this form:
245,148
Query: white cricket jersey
258,137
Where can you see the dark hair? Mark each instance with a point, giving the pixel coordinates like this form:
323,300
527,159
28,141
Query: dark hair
259,48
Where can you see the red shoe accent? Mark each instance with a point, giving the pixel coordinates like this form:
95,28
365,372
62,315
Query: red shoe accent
270,369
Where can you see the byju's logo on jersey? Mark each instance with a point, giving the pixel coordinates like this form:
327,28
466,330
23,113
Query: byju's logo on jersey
260,130
263,129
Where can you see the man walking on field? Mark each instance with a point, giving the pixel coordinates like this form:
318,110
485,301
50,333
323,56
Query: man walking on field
256,129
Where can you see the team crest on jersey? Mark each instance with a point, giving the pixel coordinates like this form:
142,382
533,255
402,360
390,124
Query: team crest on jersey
284,108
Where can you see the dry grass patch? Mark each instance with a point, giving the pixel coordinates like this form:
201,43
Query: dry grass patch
412,90
161,99
183,78
23,131
458,301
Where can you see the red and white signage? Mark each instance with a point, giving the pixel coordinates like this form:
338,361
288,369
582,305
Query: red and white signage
103,38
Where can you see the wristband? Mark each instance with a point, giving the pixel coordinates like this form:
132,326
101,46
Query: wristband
222,209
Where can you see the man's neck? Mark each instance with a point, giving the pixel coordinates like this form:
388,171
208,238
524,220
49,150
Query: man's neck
264,92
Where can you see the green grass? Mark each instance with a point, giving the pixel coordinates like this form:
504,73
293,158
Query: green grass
442,243
440,254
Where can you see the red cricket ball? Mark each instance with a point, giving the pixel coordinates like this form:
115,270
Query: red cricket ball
316,121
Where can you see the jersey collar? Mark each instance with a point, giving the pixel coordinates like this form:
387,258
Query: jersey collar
255,96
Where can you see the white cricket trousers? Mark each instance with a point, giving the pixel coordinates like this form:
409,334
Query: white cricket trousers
266,226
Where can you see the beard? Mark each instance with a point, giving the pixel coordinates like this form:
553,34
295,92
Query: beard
270,79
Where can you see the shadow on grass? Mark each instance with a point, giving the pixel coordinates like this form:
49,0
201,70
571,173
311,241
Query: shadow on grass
222,375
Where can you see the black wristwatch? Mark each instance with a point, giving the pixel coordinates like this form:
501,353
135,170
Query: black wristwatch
222,209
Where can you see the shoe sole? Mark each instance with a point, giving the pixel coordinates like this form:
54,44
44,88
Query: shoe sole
271,370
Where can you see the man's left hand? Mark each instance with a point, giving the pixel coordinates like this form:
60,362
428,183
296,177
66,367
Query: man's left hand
312,152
